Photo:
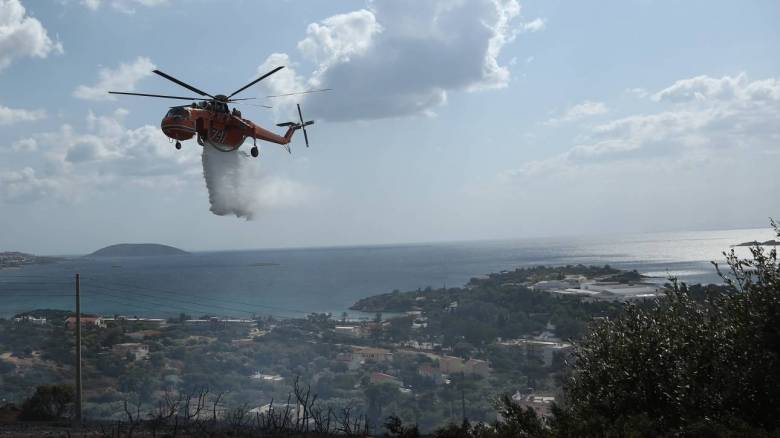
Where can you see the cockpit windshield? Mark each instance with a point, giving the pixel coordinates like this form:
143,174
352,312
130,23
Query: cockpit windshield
177,112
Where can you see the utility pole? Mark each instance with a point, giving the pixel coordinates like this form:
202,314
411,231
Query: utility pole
463,404
78,351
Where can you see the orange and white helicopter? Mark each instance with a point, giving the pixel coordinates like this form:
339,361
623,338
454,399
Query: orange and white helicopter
215,124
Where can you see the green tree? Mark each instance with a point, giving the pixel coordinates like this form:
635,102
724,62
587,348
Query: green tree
683,363
50,402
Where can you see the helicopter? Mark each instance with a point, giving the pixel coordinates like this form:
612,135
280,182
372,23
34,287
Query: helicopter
211,121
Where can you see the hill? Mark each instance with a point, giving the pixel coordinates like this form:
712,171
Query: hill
755,242
137,250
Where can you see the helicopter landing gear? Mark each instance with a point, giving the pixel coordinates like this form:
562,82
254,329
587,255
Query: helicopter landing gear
178,145
254,151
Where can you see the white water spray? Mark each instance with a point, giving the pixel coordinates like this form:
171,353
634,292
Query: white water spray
236,186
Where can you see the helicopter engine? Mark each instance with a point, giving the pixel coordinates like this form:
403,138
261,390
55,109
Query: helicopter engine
177,124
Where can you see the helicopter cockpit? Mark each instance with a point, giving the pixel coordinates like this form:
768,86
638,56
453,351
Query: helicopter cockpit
210,105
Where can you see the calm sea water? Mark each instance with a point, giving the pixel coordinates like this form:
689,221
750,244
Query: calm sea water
294,282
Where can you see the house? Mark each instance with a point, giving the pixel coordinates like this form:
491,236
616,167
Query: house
541,404
144,323
543,350
272,378
280,410
214,320
550,285
137,350
32,320
348,330
453,306
371,354
86,320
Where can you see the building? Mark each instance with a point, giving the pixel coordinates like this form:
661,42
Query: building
144,323
137,350
32,320
550,285
541,404
371,354
542,350
348,330
272,378
222,321
86,321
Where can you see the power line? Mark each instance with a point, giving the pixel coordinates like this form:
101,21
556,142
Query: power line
221,300
146,301
209,306
37,295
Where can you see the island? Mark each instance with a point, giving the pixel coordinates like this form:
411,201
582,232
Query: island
757,243
137,250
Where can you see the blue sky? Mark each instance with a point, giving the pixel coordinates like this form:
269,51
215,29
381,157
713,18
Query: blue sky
449,120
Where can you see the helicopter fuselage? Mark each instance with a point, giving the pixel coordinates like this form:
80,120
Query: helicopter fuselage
216,127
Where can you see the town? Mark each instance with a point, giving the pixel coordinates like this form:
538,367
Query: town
429,356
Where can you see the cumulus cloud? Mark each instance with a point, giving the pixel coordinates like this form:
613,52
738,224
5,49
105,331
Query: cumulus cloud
10,116
124,6
122,78
534,25
24,185
580,111
22,35
386,62
106,154
703,118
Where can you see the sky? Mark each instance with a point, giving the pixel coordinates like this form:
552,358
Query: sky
448,120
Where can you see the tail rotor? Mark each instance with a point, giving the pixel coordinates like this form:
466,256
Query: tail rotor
303,125
299,125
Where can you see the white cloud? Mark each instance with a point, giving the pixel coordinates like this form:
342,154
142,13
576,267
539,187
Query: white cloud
22,35
580,111
123,78
71,164
124,6
385,61
638,92
709,118
534,25
106,155
25,185
25,145
10,116
727,88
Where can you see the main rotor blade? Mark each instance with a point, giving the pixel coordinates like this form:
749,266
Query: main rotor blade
253,104
302,92
256,81
155,95
243,98
183,84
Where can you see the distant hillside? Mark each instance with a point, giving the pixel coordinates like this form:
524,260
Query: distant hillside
137,250
755,242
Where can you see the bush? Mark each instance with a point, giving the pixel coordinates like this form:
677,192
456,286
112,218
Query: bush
50,402
684,362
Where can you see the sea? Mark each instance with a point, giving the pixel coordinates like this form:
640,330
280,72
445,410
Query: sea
288,283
